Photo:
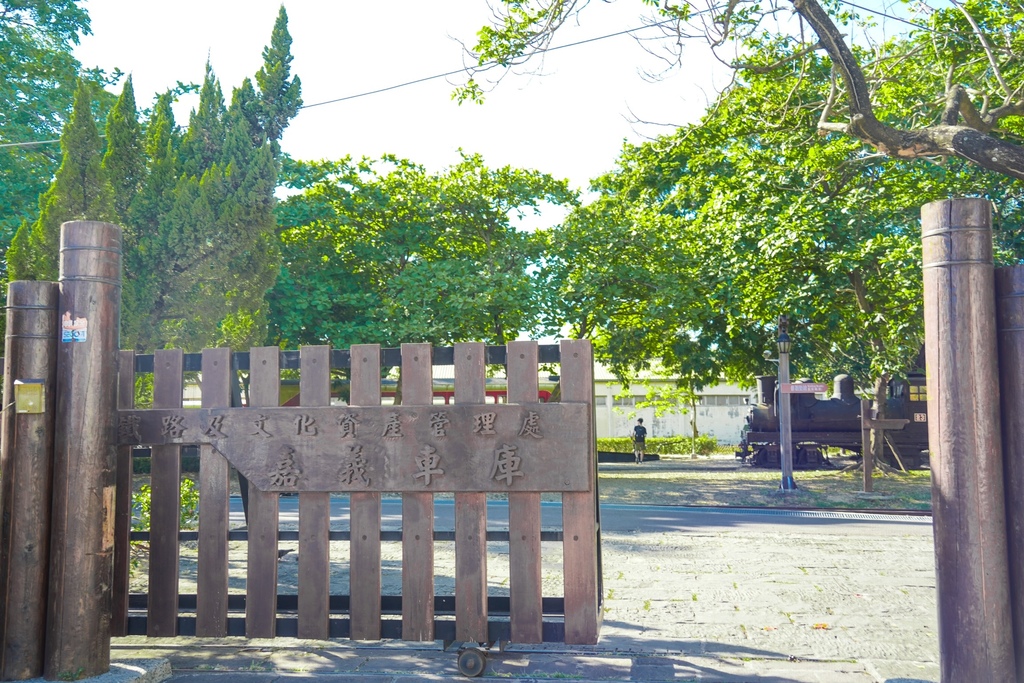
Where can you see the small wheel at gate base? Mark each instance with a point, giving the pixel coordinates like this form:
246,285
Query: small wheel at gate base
472,662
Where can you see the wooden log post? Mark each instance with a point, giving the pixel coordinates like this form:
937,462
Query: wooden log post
26,475
972,573
866,453
1010,324
82,537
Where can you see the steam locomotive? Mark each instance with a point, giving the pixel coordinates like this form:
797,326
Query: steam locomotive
819,424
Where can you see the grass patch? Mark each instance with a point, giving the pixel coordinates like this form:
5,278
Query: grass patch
673,481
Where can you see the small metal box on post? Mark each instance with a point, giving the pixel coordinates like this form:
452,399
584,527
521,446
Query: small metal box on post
82,530
26,475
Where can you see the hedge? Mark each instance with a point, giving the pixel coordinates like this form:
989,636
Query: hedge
663,445
141,464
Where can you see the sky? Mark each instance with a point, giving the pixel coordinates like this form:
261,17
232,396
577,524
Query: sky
569,121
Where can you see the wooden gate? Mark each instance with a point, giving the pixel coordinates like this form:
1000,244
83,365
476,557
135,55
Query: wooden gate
520,449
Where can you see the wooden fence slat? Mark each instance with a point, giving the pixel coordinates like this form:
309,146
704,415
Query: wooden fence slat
364,512
470,513
261,567
123,502
314,509
417,511
524,547
165,503
214,489
579,512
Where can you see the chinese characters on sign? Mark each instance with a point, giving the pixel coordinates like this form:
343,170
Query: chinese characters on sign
384,448
428,462
128,427
439,425
173,426
483,424
287,474
506,464
347,422
354,468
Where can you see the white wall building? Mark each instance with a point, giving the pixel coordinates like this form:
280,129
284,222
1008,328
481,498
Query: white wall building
721,411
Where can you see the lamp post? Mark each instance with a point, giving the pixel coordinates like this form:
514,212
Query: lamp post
785,418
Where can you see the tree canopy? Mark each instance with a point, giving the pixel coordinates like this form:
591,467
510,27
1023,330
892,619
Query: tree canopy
80,191
965,100
38,80
388,252
196,205
723,225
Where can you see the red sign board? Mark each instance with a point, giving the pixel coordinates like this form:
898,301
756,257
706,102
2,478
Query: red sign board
804,388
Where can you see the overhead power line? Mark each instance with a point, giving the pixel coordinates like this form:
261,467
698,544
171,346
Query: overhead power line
895,18
467,69
28,144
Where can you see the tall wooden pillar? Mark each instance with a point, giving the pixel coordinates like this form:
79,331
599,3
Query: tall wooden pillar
82,538
972,574
1010,324
26,475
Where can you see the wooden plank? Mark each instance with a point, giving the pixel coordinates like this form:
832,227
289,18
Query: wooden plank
212,582
581,542
314,508
261,566
417,511
470,513
165,503
364,511
524,548
123,502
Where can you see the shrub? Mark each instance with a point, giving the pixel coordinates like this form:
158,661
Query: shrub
706,445
142,464
142,506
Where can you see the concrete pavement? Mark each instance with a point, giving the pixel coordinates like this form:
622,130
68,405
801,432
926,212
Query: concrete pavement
799,599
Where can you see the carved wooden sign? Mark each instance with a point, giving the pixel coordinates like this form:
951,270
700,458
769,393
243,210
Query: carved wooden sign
443,448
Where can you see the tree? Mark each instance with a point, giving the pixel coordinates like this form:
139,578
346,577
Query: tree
124,165
38,76
280,96
399,254
202,219
744,216
80,191
124,161
965,102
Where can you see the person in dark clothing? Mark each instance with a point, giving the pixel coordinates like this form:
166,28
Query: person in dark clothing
639,441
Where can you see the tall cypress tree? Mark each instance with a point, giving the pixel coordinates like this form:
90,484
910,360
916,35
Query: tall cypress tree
145,266
124,161
280,95
80,191
206,249
202,143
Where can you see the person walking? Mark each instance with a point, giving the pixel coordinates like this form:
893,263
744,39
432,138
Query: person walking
639,441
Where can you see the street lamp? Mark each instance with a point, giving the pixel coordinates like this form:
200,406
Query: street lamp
785,418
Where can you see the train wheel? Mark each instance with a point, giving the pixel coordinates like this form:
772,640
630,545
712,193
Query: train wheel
472,662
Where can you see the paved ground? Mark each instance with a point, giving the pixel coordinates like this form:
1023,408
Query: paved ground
809,599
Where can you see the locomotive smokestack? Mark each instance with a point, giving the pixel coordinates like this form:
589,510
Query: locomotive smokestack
842,389
766,389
